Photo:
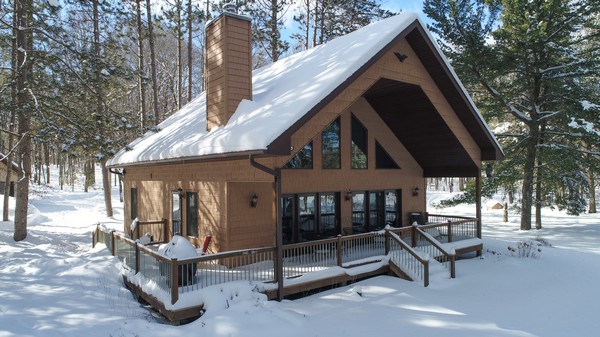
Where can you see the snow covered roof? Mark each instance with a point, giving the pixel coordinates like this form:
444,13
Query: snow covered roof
283,93
14,166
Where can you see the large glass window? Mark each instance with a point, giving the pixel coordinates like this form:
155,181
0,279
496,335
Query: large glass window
303,159
328,213
331,146
383,159
191,214
134,203
308,217
359,145
376,209
359,206
373,210
391,208
287,219
176,213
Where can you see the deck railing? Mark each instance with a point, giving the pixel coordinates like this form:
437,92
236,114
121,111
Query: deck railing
156,228
407,247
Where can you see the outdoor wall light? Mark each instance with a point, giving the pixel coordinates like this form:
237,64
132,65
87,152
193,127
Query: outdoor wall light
348,195
488,171
253,200
415,191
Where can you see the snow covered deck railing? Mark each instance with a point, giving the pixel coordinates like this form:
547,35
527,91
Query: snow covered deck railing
162,281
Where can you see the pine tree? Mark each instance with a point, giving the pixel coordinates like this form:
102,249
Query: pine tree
520,59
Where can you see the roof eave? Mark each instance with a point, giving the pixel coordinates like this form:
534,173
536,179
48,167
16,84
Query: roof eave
195,159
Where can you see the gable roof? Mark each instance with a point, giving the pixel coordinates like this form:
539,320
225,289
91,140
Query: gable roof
285,94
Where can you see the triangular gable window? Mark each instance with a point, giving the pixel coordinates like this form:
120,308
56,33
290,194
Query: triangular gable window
303,159
383,159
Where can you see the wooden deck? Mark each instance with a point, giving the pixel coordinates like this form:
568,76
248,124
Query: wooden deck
306,267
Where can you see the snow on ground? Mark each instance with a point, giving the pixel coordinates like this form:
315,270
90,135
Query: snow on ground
55,284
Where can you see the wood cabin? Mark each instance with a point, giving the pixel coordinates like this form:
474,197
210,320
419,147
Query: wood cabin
334,140
12,169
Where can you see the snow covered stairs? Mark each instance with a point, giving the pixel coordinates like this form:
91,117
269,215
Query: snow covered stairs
428,256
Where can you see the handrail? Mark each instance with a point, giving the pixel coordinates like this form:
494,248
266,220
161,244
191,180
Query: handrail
424,262
450,257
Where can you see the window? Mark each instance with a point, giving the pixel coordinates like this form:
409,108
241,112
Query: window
376,209
191,214
287,219
176,212
303,159
359,145
331,145
358,212
328,214
382,208
383,159
306,217
134,203
392,208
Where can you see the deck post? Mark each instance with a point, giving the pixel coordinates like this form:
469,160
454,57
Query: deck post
174,281
276,173
137,257
112,240
478,204
449,231
339,250
279,234
387,241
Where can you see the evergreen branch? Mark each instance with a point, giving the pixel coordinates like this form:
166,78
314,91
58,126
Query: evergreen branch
497,95
570,148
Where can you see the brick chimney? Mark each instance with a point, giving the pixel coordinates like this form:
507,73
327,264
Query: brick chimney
228,65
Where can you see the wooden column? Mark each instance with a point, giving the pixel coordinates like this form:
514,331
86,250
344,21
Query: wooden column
478,203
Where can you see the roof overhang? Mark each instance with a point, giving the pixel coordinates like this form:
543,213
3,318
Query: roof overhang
414,120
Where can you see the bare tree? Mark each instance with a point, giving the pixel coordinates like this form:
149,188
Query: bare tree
24,66
142,72
100,107
152,62
189,48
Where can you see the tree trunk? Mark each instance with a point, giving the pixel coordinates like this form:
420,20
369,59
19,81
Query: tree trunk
528,180
179,55
142,75
24,40
274,31
11,124
106,187
152,63
592,179
189,49
538,180
100,110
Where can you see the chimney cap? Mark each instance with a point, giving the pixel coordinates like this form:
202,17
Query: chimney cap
230,7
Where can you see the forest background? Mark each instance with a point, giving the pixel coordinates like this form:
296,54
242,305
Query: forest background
79,79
